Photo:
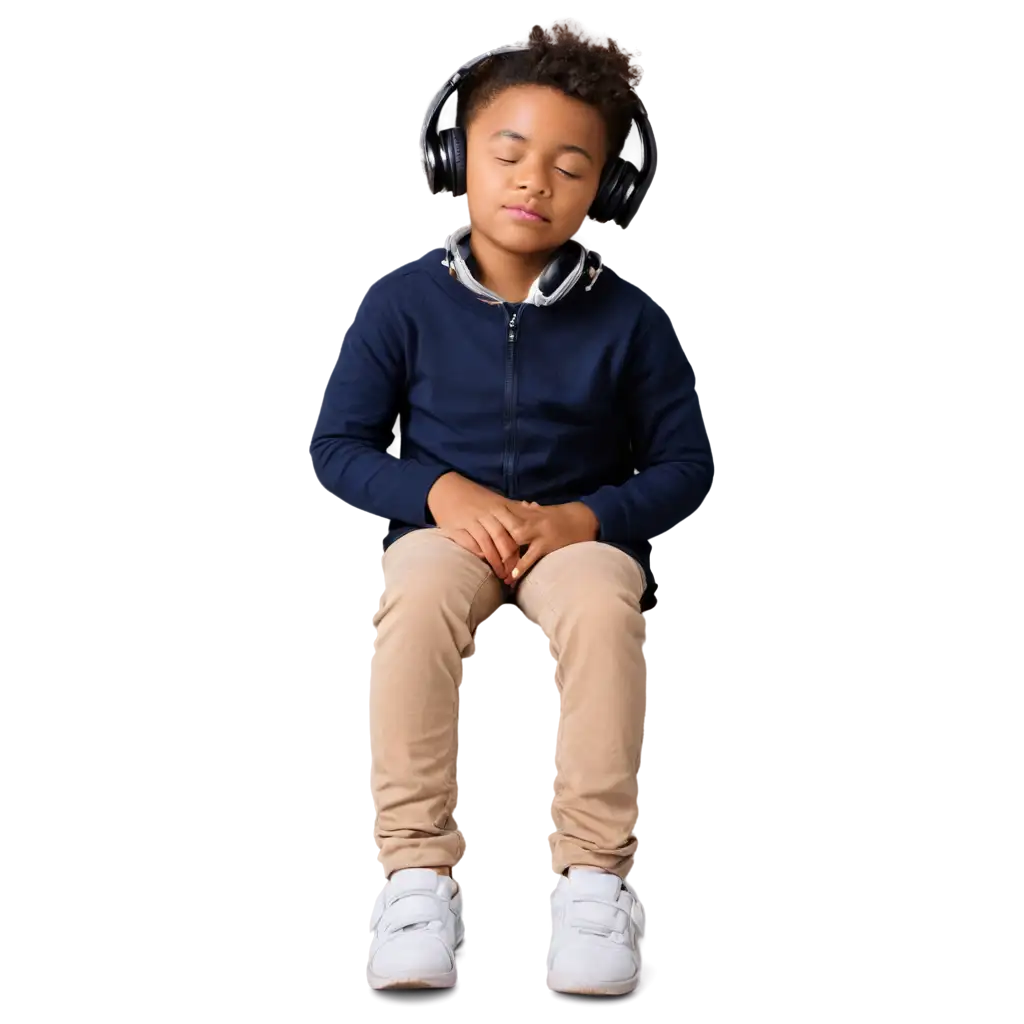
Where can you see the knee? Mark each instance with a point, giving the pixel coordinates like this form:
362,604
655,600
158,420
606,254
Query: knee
426,573
417,595
607,612
421,614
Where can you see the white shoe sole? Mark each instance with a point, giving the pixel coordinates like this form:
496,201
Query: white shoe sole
576,987
377,983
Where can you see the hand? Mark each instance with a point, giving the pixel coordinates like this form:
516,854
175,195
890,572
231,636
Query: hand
466,511
550,527
464,539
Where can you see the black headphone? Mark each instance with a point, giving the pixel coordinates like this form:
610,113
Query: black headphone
622,186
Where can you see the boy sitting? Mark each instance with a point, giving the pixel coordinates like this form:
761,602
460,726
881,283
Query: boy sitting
550,428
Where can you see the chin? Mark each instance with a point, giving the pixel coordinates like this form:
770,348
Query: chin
529,237
513,241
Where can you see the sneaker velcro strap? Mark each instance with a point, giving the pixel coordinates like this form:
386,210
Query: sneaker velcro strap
413,907
594,914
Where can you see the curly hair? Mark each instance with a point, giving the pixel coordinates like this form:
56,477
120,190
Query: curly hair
599,75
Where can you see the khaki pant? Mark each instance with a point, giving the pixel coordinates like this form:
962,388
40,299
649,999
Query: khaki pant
586,598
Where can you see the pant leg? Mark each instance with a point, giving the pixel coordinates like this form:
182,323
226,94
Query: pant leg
436,593
586,598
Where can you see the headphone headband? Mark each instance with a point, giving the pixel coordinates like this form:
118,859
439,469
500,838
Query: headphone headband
434,110
622,187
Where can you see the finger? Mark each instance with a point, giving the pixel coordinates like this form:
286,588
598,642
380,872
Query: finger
533,554
470,544
520,531
506,544
513,561
463,538
466,539
490,552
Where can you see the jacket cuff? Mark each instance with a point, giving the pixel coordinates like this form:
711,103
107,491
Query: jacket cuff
606,504
416,485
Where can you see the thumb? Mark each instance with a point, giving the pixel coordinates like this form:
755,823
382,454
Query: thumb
527,560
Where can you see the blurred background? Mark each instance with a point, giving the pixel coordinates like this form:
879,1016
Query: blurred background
196,197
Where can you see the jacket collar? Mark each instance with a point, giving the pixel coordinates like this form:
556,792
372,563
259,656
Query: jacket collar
570,263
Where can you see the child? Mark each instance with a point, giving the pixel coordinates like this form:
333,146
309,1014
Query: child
540,453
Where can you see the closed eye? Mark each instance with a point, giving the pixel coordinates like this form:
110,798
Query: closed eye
566,173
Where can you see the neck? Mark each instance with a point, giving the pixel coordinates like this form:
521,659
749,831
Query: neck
508,274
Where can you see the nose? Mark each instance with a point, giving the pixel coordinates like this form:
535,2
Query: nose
534,177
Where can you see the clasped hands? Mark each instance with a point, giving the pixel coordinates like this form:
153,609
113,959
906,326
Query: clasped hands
495,528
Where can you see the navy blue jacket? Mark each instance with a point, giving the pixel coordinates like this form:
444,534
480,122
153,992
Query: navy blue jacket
588,399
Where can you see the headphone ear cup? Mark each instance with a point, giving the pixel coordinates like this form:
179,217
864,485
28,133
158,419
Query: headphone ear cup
457,144
432,166
450,173
560,266
603,208
616,179
452,143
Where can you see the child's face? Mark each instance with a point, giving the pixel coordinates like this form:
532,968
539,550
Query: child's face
537,168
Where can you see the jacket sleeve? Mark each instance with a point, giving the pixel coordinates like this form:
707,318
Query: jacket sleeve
364,396
670,445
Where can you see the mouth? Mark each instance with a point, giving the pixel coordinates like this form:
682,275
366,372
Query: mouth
521,214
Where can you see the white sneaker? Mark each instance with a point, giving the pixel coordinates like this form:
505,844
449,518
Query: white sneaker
597,921
417,923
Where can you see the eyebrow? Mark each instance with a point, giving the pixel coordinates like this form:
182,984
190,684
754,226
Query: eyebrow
565,147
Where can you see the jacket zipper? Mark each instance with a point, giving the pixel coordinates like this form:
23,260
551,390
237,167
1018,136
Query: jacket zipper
509,456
